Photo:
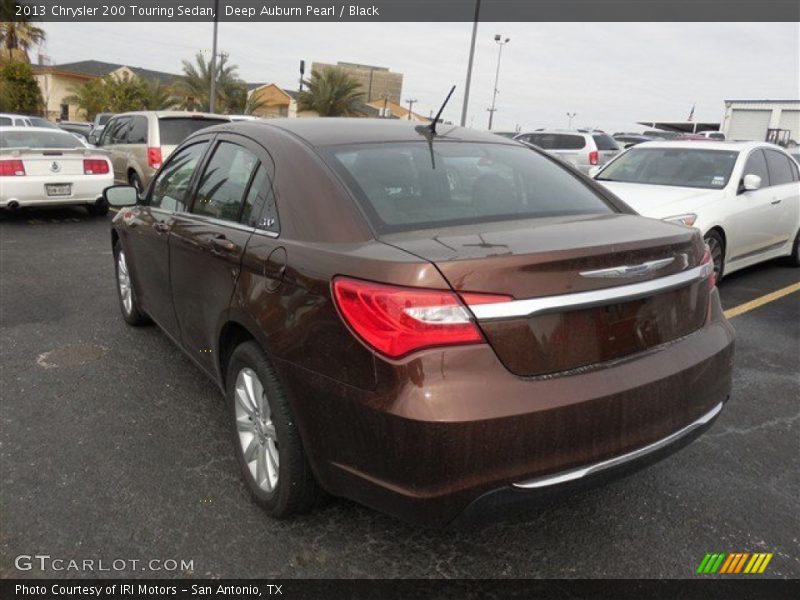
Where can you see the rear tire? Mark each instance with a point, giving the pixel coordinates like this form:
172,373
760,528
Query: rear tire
717,246
98,209
128,303
794,258
264,433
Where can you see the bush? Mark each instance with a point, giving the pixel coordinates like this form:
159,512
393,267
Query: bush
19,92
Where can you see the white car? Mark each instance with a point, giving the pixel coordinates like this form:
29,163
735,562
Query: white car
50,167
743,196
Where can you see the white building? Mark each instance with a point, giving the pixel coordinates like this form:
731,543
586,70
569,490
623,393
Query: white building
755,119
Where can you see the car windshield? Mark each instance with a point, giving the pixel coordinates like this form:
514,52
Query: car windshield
686,167
174,130
408,186
103,118
23,138
40,122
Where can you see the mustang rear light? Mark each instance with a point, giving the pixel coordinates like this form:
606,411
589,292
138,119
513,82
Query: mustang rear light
12,168
594,157
154,157
396,321
95,166
708,269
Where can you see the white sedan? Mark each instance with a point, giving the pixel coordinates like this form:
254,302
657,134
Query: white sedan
49,167
743,196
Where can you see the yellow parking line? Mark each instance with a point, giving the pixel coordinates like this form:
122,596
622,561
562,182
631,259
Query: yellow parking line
748,306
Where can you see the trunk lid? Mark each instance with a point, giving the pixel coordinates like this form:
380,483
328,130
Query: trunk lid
558,257
56,162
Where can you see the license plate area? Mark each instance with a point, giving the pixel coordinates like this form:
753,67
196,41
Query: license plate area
58,189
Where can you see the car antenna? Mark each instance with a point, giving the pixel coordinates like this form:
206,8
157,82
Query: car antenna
429,131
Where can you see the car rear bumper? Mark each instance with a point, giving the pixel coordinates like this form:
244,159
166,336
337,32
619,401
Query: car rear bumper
452,431
31,190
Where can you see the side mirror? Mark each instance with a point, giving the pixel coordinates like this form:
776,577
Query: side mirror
593,171
751,182
121,195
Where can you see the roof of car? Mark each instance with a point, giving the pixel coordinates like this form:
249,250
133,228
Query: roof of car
173,113
708,145
330,131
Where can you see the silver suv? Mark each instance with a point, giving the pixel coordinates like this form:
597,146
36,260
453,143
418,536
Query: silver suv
138,142
581,149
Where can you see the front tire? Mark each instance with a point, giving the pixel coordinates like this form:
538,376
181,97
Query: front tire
266,437
98,209
717,247
128,303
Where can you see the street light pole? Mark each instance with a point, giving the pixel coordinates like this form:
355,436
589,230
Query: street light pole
499,39
570,116
212,94
469,63
410,104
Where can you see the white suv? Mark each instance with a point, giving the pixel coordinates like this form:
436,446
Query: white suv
582,149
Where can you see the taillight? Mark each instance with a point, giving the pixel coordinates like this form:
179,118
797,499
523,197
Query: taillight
594,157
154,157
11,168
95,166
396,321
708,268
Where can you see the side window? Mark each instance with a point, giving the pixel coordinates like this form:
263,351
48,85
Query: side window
223,184
138,131
121,132
105,136
169,190
259,205
570,142
756,165
780,171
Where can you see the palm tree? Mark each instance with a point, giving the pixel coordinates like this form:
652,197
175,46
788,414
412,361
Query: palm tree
157,96
332,92
18,35
91,97
196,81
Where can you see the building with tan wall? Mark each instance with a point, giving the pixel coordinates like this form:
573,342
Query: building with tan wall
376,82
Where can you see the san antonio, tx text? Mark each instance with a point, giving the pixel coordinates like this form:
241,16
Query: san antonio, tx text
130,589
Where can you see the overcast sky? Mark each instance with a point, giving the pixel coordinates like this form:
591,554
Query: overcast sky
611,74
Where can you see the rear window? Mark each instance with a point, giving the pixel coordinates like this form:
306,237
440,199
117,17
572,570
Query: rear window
605,142
403,186
38,139
174,130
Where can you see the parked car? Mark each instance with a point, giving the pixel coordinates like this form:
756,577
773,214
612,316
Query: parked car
744,197
426,345
14,120
663,135
47,167
78,128
506,134
795,154
626,140
713,135
138,142
582,150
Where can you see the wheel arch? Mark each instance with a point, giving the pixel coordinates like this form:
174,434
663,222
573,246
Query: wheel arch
232,334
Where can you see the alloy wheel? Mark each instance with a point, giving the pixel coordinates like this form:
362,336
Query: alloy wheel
124,281
256,430
716,254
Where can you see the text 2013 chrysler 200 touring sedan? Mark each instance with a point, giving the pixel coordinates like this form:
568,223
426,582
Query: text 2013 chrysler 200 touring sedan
427,323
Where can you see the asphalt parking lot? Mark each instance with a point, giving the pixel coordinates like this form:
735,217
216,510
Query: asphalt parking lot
113,445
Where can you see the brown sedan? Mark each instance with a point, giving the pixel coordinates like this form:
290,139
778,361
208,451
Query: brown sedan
431,325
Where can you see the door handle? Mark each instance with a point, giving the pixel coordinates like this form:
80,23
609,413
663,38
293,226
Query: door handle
775,201
161,227
222,244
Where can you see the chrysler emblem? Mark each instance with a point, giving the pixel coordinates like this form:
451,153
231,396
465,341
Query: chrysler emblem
630,270
55,167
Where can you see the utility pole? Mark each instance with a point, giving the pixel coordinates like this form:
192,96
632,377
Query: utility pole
410,104
499,39
212,94
570,116
469,63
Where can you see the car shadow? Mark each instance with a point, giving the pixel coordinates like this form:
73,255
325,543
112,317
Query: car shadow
48,214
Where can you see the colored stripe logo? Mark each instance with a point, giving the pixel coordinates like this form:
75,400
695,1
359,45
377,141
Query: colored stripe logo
734,563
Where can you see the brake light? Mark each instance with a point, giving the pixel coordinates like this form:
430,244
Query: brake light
594,157
11,168
95,166
708,268
396,321
154,157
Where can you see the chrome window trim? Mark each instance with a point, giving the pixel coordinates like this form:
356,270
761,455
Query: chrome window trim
581,472
621,293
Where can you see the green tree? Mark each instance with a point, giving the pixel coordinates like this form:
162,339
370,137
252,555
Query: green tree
125,92
157,96
17,33
331,92
91,97
196,81
19,92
